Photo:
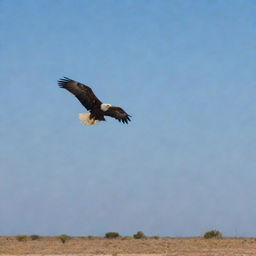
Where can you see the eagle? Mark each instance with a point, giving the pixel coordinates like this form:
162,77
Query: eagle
97,109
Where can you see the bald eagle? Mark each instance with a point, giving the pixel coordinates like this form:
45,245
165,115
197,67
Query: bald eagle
96,108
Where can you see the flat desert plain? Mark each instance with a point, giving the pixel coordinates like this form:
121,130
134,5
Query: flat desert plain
127,246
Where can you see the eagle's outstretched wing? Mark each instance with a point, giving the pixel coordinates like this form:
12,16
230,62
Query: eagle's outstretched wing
83,92
118,113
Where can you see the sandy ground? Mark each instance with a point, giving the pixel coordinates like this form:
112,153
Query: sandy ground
122,246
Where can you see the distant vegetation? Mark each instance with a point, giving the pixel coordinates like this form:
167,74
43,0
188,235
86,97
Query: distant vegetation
35,237
112,235
212,234
21,238
139,235
64,238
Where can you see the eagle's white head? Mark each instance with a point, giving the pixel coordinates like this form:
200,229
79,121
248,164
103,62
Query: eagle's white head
105,107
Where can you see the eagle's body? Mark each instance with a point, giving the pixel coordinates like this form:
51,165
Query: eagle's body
97,109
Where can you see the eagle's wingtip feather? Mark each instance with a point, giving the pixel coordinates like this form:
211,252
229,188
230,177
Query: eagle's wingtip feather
63,81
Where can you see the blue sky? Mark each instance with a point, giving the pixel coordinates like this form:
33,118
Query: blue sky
185,71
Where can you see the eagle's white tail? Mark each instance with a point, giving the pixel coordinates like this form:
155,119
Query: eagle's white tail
85,119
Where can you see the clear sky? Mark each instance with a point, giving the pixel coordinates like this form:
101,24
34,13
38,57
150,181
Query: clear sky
185,70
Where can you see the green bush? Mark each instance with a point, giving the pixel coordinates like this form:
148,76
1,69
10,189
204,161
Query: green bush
63,238
139,235
21,238
35,237
212,234
112,235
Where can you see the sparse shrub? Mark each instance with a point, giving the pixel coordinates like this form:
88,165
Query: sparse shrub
21,238
155,237
212,234
139,235
35,237
112,235
63,238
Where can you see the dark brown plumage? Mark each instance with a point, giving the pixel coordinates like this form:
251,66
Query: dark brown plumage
89,100
118,113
